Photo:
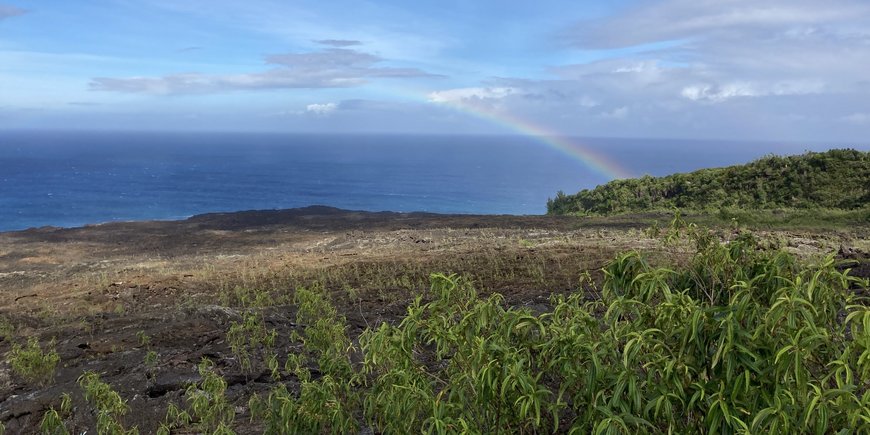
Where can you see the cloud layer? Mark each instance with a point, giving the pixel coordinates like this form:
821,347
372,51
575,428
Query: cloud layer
330,68
669,20
652,68
774,47
790,68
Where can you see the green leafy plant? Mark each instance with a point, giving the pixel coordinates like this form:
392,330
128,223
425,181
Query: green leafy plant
7,329
734,339
250,338
53,420
175,418
323,405
208,404
208,412
151,358
144,339
107,403
33,363
487,376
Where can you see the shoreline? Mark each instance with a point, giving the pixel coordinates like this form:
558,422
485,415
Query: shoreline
315,209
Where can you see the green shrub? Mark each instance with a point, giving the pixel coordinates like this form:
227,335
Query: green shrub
250,338
324,405
107,403
33,363
151,359
485,376
175,418
144,339
208,405
52,421
7,329
735,340
208,412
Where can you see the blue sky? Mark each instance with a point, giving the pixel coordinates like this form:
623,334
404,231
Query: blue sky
727,69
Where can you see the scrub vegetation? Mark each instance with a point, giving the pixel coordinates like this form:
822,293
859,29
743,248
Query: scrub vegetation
834,181
34,362
734,338
738,340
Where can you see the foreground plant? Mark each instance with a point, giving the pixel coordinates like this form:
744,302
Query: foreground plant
208,412
250,338
325,404
32,362
107,403
7,329
735,340
53,419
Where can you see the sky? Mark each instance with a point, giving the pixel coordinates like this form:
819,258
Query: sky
696,69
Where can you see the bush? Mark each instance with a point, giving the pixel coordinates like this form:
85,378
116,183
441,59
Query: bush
107,403
209,411
52,420
7,329
738,340
323,405
32,363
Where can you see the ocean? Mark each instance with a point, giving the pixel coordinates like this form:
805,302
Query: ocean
76,178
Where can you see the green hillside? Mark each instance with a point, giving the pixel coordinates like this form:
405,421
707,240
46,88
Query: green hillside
835,179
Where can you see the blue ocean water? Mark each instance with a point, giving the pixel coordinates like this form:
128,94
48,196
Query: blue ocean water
76,178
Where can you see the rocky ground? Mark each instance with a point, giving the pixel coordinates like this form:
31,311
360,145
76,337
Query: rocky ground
98,290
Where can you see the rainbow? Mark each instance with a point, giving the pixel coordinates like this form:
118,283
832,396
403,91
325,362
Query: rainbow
584,154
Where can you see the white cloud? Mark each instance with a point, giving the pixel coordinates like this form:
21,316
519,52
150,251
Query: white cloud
474,93
720,50
638,67
718,94
321,109
330,68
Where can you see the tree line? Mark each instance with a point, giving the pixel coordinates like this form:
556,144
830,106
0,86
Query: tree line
835,179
